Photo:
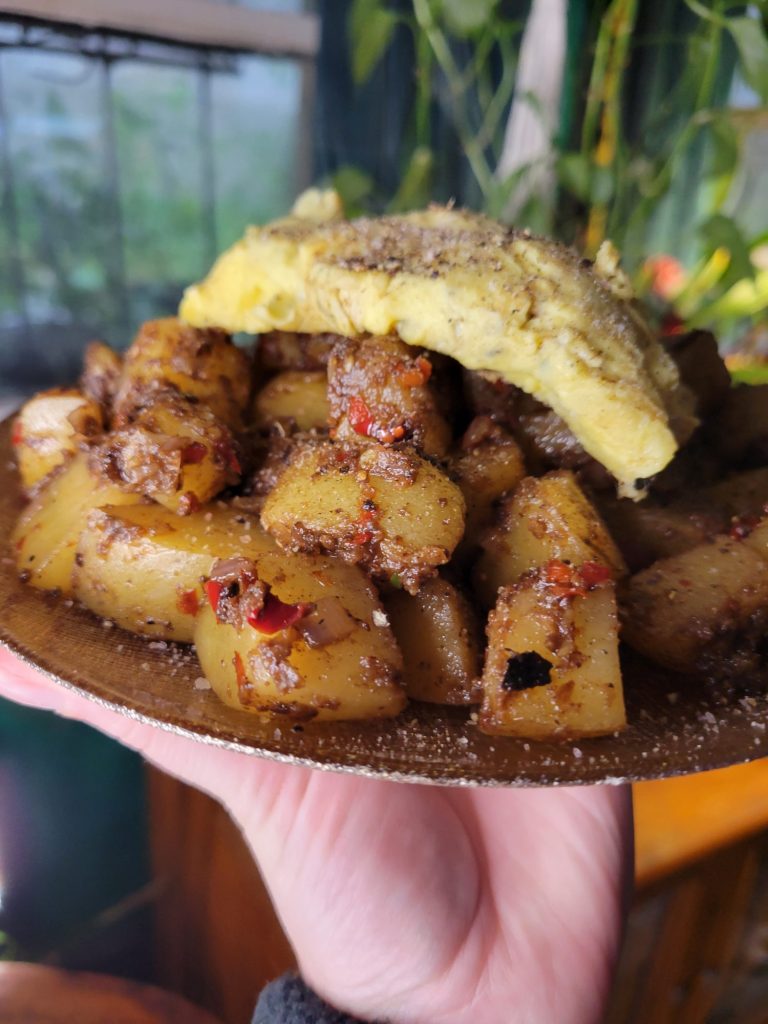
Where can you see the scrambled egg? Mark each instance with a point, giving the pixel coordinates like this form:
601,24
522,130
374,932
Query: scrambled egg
496,299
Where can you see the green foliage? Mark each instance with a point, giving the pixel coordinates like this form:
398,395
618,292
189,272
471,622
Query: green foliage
355,188
465,17
371,26
655,177
749,36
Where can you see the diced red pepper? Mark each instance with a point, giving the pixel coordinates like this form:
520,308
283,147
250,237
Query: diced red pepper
227,454
276,615
425,367
594,574
213,590
17,434
362,537
563,579
360,416
416,376
188,603
742,526
193,453
672,325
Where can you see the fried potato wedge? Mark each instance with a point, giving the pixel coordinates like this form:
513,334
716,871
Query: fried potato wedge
439,635
46,536
552,664
307,670
704,611
545,519
493,298
142,566
48,429
386,509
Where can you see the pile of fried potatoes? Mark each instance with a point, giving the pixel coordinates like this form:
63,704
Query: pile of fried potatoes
341,524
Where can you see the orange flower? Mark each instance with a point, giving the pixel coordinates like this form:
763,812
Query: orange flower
667,275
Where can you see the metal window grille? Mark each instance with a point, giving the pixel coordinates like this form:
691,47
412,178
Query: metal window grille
41,336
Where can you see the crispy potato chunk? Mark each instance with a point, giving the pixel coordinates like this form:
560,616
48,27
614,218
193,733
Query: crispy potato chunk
701,368
49,429
102,369
439,635
739,433
388,510
285,350
296,399
488,464
546,519
199,364
704,611
46,536
648,530
142,566
175,451
315,643
552,664
378,388
660,528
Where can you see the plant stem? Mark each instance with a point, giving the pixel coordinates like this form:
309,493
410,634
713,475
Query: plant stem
618,24
442,51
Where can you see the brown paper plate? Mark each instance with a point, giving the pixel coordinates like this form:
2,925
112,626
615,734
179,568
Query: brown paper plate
676,726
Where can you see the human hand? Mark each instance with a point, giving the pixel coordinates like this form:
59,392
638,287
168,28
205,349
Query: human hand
417,904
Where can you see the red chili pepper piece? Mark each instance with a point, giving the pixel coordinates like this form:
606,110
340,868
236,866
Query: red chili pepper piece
188,603
417,375
563,579
742,526
213,590
360,416
193,453
593,573
276,615
17,434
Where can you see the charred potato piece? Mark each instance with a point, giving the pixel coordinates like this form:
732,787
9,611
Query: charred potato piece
704,611
651,530
389,510
739,433
378,388
102,369
546,519
175,451
49,429
646,531
199,364
552,664
701,368
313,642
296,399
742,494
285,350
46,536
143,566
489,464
439,635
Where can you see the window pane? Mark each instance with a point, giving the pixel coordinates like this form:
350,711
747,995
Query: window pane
256,117
127,179
159,164
56,146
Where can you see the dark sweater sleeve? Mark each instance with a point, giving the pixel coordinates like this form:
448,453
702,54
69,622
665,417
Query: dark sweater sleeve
289,1001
